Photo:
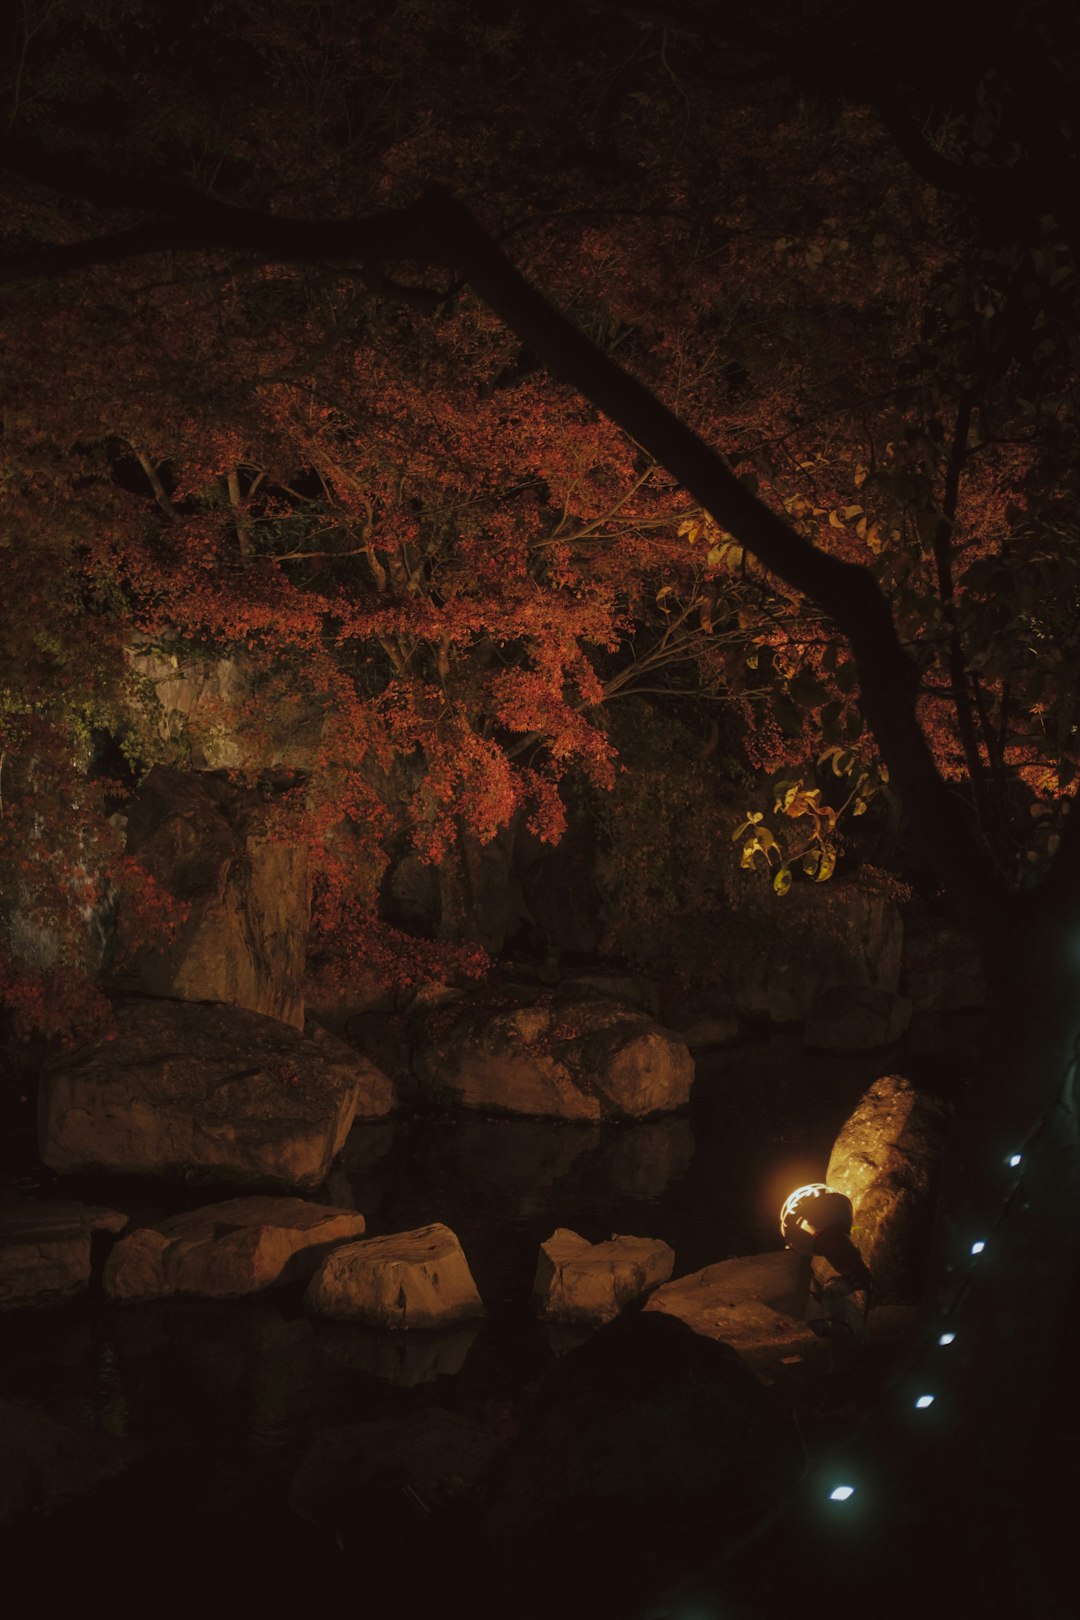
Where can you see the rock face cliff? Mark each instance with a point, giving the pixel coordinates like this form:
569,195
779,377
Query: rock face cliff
244,941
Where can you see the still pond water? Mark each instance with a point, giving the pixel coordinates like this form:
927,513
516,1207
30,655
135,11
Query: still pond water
223,1398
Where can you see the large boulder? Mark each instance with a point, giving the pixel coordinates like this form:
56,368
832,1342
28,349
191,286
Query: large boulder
886,1159
578,1281
244,940
755,1303
45,1250
775,958
205,1093
228,1250
523,1050
417,1279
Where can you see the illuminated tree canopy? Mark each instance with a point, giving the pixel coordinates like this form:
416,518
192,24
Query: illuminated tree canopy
457,398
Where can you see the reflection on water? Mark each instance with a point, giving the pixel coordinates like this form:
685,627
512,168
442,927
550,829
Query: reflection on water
503,1185
400,1358
225,1397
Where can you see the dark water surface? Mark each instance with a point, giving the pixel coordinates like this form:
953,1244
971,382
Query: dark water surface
223,1398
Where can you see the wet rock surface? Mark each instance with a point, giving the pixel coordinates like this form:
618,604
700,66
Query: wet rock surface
577,1281
228,1250
417,1279
755,1303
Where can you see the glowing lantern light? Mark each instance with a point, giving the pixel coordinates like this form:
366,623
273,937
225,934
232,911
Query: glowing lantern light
817,1219
946,1338
977,1248
924,1401
841,1493
1014,1160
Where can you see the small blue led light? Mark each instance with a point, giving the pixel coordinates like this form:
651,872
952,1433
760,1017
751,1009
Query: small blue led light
946,1338
924,1401
1013,1160
841,1493
977,1248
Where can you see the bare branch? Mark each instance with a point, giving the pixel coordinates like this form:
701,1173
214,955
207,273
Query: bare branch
160,492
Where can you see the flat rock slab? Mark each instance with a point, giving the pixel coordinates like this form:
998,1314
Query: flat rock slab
578,1281
417,1279
195,1091
45,1250
228,1250
757,1304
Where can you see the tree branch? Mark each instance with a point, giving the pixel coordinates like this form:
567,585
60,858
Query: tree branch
440,231
848,594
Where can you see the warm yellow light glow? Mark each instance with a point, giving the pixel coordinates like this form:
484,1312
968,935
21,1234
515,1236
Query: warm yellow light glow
813,1189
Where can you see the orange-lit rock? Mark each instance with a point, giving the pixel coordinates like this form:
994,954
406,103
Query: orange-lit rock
45,1250
886,1160
209,1093
527,1051
577,1281
756,1303
244,940
227,1250
417,1279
